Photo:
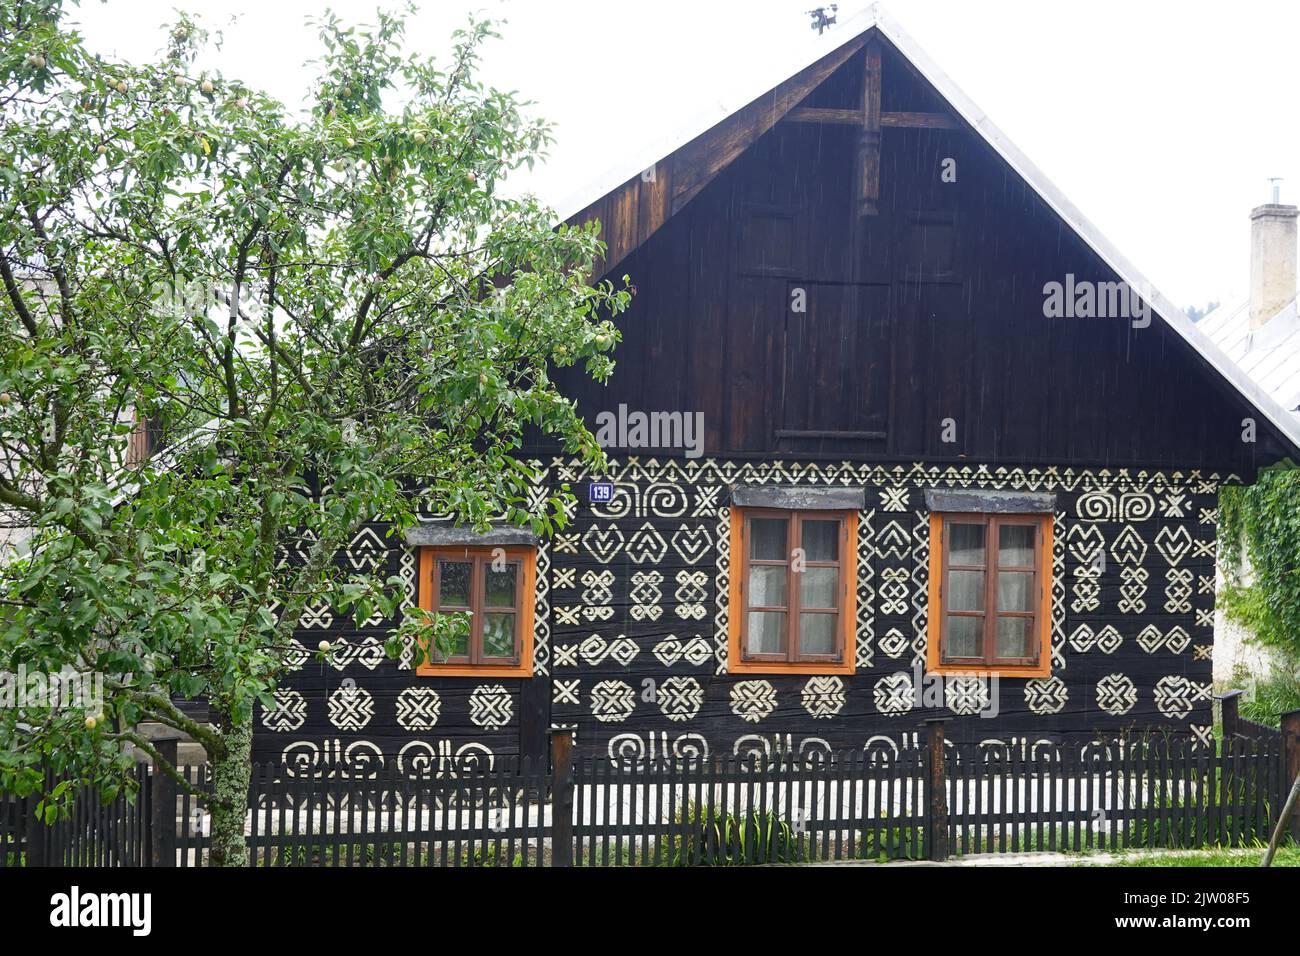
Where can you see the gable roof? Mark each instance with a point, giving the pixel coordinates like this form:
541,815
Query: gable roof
1270,355
635,198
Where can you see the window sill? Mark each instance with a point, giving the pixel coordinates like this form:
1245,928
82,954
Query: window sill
474,670
813,668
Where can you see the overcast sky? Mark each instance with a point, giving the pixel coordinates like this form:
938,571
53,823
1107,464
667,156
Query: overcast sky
1161,120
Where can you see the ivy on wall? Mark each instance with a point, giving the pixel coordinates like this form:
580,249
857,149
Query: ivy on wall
1259,526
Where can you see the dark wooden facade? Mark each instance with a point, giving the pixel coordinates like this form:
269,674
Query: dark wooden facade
922,360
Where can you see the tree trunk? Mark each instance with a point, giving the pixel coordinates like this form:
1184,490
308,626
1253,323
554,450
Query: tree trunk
230,775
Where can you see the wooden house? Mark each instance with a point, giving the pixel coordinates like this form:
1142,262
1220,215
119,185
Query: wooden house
894,432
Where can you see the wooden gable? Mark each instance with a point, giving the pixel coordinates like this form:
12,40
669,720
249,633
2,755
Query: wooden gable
634,211
810,278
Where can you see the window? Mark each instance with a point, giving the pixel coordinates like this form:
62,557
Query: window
495,585
929,245
792,591
990,593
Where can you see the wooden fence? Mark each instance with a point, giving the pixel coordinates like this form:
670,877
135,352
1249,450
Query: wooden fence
94,833
453,813
1111,796
930,803
660,813
746,810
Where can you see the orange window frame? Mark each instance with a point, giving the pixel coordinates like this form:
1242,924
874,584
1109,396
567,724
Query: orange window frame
525,592
936,662
845,661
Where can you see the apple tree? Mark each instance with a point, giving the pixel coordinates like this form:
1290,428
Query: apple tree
332,315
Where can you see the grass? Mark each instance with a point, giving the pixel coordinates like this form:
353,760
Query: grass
1250,857
390,855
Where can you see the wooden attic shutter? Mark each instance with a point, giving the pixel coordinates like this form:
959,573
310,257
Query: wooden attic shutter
835,366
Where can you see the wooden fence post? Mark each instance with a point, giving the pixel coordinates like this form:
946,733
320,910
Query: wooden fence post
1228,706
937,814
162,796
1291,760
561,796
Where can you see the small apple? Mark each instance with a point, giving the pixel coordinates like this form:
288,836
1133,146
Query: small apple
36,59
324,647
602,339
206,86
417,137
101,149
482,378
90,723
5,398
120,86
241,102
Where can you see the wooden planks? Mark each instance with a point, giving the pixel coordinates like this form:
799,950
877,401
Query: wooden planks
636,210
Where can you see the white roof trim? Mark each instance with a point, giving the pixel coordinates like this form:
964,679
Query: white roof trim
804,55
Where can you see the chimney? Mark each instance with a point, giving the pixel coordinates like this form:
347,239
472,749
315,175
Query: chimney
1272,259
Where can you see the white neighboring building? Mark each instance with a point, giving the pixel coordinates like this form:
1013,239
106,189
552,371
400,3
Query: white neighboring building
1262,336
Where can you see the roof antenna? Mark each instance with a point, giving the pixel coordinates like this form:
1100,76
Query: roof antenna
821,20
1277,190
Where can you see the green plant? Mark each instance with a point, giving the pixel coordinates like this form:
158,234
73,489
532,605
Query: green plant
489,855
895,842
620,854
1275,693
1170,820
718,837
733,839
1259,526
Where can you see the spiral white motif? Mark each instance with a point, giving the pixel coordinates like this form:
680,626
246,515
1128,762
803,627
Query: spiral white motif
302,758
624,748
1136,506
361,759
417,759
691,747
1097,505
663,501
